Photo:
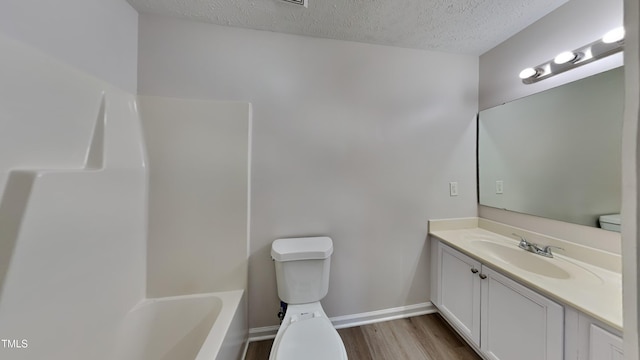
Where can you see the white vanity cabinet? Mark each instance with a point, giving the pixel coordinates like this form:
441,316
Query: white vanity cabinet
518,323
590,339
458,294
502,318
603,345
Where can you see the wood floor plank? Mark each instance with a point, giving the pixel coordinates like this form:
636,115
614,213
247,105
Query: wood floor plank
355,343
439,340
385,342
426,337
406,340
259,350
377,349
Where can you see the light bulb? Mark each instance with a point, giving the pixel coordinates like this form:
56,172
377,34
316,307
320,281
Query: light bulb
565,57
528,73
614,35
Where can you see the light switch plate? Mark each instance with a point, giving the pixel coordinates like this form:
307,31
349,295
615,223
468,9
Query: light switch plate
304,3
453,188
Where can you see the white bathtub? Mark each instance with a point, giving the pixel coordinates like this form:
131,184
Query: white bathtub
193,327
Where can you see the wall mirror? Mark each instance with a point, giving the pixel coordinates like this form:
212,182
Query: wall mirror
557,153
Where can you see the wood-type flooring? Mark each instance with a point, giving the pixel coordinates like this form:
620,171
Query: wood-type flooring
426,337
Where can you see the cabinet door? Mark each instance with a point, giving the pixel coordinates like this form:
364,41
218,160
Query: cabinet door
459,291
518,323
603,345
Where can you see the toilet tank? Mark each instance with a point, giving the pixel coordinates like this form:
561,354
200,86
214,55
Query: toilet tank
302,268
610,222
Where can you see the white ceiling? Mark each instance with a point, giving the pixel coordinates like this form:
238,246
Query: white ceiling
455,26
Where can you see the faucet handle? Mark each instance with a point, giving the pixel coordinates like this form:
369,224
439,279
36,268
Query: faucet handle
524,244
546,251
549,247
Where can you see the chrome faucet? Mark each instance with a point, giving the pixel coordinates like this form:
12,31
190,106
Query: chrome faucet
525,245
535,248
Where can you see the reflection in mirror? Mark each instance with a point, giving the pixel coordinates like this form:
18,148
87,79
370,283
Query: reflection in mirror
557,153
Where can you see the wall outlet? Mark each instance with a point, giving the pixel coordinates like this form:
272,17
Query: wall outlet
453,188
499,187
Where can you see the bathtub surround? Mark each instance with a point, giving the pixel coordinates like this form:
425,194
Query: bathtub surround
73,170
73,211
353,141
73,177
198,194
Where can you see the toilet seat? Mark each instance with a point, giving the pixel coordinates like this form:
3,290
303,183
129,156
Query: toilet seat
308,336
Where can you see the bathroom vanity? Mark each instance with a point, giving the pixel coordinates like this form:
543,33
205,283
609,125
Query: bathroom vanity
509,303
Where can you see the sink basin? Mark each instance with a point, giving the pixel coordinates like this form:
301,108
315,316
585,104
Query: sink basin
522,259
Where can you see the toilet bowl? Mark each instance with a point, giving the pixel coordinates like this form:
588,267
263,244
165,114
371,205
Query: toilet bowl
307,333
302,276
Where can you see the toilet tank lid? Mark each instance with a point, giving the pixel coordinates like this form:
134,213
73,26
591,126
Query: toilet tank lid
610,219
306,248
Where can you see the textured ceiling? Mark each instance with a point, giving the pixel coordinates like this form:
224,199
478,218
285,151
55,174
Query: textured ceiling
456,26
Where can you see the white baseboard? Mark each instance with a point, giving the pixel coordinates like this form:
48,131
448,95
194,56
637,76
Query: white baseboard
371,317
244,351
346,321
263,333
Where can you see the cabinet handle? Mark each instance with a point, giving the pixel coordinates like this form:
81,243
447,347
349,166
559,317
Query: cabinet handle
474,270
482,276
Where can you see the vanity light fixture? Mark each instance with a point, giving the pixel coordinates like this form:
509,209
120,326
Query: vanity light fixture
611,43
529,73
565,57
613,36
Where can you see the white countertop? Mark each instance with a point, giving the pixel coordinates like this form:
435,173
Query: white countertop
588,288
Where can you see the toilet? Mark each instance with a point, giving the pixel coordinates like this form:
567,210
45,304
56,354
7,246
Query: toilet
302,276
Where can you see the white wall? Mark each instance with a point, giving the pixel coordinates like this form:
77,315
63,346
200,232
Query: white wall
99,37
354,141
571,26
630,159
198,194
